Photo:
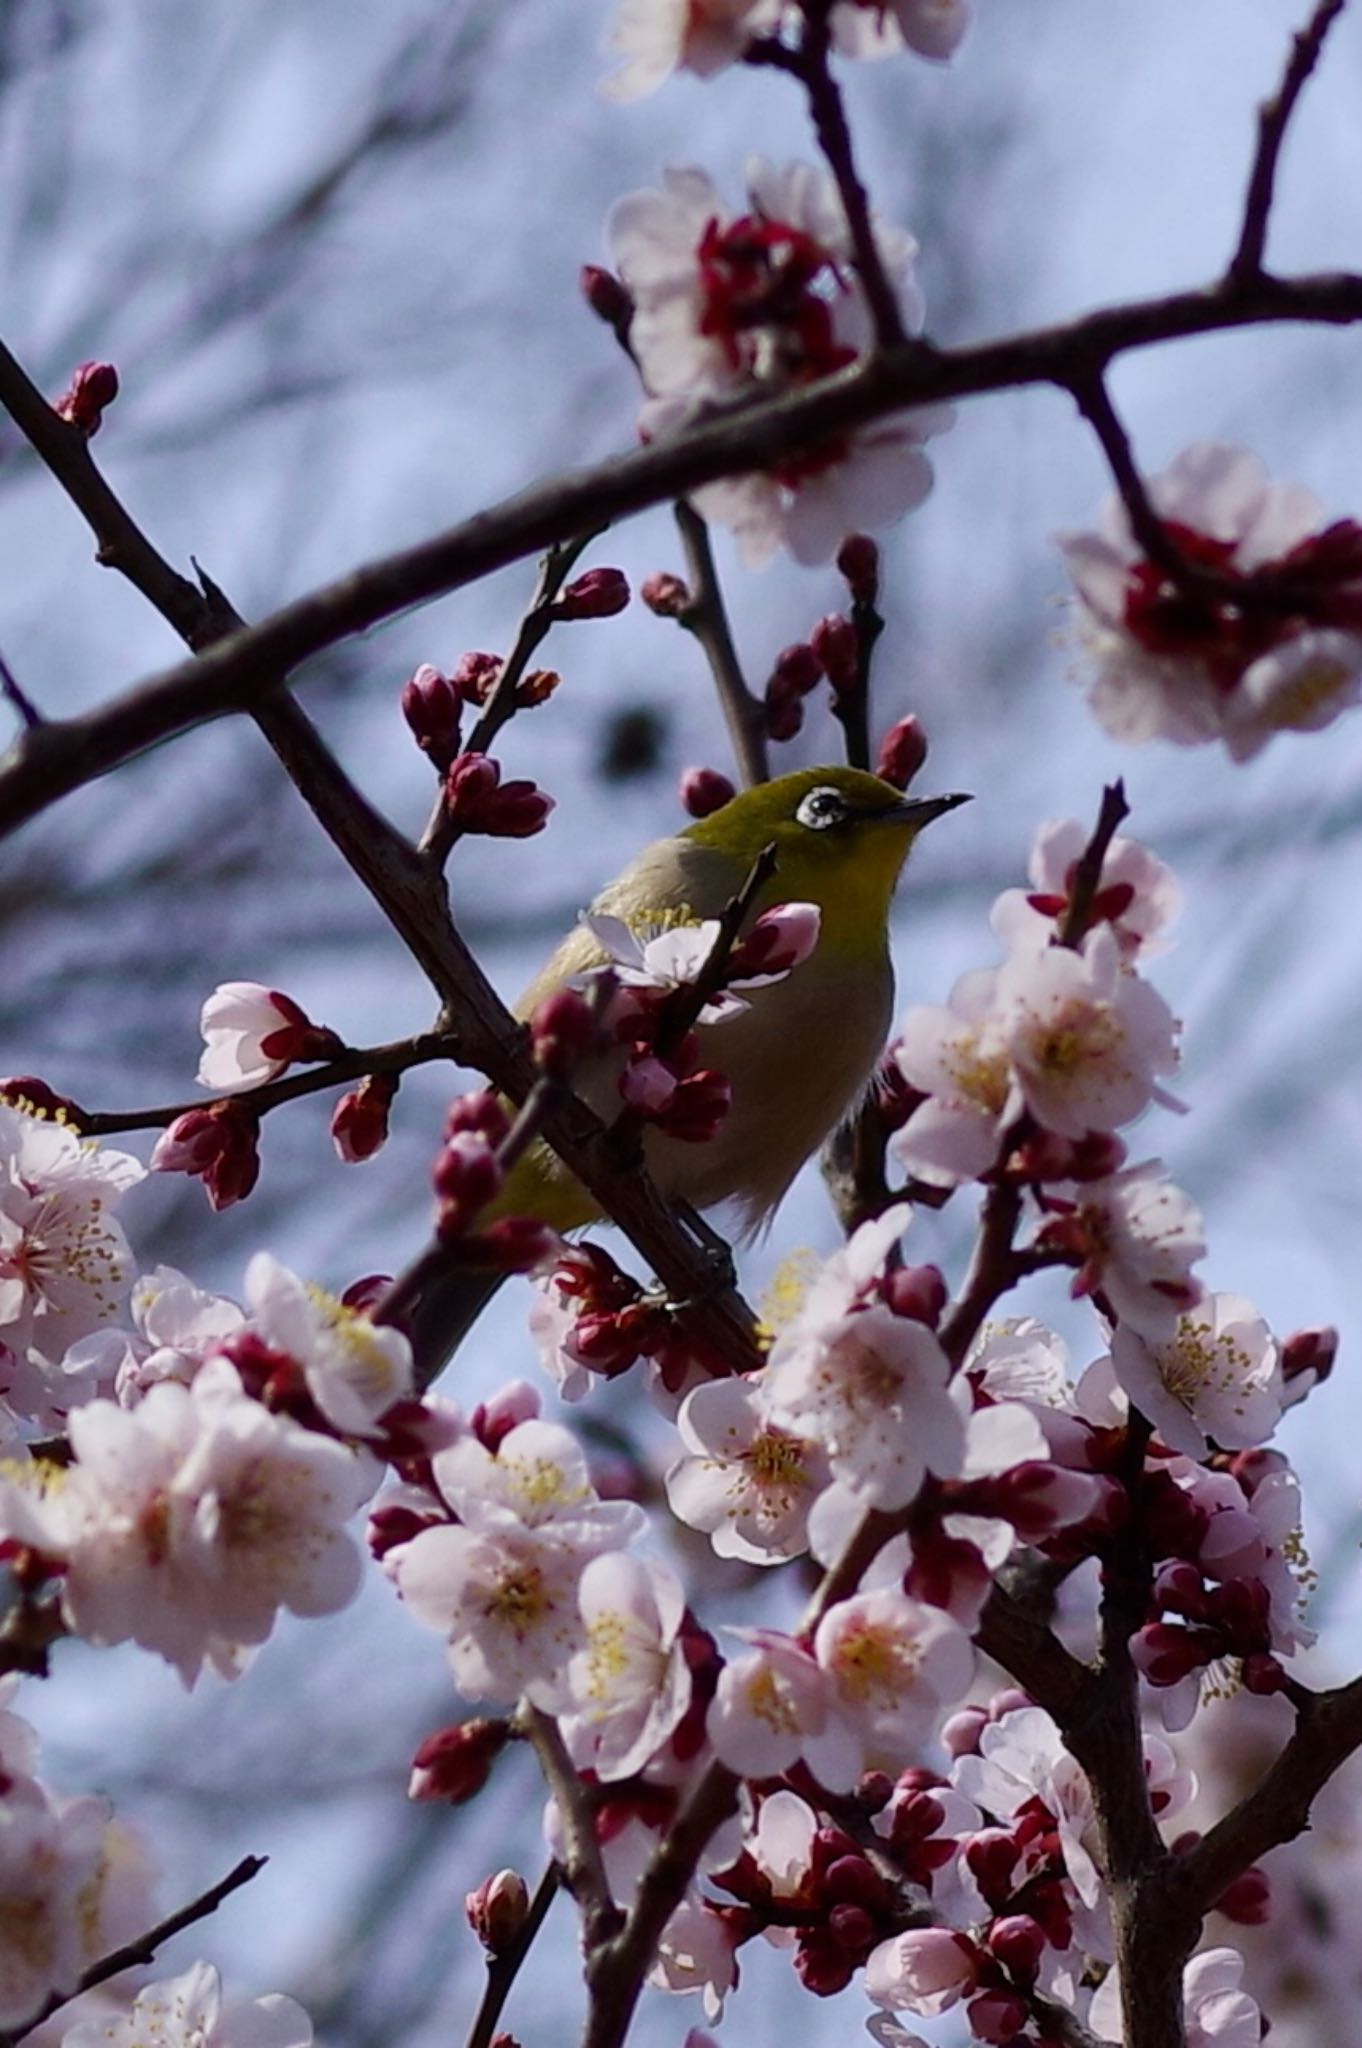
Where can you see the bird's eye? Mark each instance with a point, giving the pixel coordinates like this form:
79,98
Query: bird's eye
821,808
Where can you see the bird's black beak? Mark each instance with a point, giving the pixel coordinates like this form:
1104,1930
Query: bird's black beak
921,810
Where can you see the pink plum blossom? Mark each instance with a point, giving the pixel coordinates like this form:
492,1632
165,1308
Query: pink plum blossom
653,38
1217,2011
536,1479
252,1033
189,2011
194,1517
747,1481
696,1953
926,1970
775,1706
1193,668
958,1057
1215,1375
355,1369
506,1600
631,1683
1136,894
1138,1237
894,1664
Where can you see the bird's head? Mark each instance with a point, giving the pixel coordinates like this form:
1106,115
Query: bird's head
841,836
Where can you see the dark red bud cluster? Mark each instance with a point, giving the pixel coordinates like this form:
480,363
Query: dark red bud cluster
476,675
359,1122
796,671
432,705
1310,1352
563,1030
666,595
837,645
456,1762
94,386
675,1095
219,1145
596,594
704,791
1046,1156
858,560
477,800
903,751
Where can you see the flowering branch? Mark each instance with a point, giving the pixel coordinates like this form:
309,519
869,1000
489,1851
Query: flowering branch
706,619
143,1950
1274,117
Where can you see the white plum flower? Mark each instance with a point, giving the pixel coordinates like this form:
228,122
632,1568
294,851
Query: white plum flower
895,1664
747,1481
194,1517
50,1851
1215,1376
536,1479
177,1326
64,1261
957,1056
1217,2011
1087,1039
781,1843
695,1952
189,2011
355,1369
1136,894
925,1970
630,1683
1022,1759
775,1706
252,1033
653,38
676,956
1139,1237
506,1600
1196,666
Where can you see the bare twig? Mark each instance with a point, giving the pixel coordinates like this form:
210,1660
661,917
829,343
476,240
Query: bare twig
706,619
1088,868
143,1950
18,699
503,1969
582,1868
1274,117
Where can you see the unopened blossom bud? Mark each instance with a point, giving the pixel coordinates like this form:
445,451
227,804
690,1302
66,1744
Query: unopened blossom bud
498,1910
666,595
916,1815
1248,1901
608,299
997,2016
1305,1351
902,753
536,688
596,594
991,1856
784,713
493,1420
432,704
795,671
481,1111
699,1106
1009,1699
1179,1587
1262,1674
476,675
217,1145
1165,1654
563,1029
858,559
515,1244
476,800
873,1791
27,1092
93,386
705,790
359,1122
837,644
822,1966
467,1175
1019,1944
251,1033
781,939
456,1762
918,1292
852,1928
853,1881
961,1731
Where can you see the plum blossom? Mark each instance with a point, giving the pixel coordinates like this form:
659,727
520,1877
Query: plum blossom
653,38
879,28
176,1326
1217,2011
536,1479
1193,667
926,1970
894,1664
763,301
1138,1238
355,1369
191,1519
747,1481
189,2011
1086,1038
775,1706
675,956
696,1953
1216,1375
630,1684
956,1055
50,1855
1136,894
252,1033
64,1261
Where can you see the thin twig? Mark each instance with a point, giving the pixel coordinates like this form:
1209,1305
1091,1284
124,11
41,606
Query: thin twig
1087,877
582,1868
1274,117
143,1950
18,699
503,1969
706,619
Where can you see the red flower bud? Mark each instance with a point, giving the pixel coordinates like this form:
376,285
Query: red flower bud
665,594
608,299
467,1175
359,1122
476,675
997,2017
1262,1674
498,1910
902,752
1305,1351
961,1731
596,594
481,1111
837,644
563,1030
858,559
1165,1654
705,790
796,671
853,1929
697,1109
918,1292
218,1145
1248,1901
93,386
431,705
515,1244
536,688
1019,1944
456,1762
784,713
477,800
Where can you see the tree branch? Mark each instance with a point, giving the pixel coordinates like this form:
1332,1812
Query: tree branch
706,620
1274,117
583,1870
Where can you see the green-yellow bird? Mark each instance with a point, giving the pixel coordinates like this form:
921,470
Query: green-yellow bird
798,1059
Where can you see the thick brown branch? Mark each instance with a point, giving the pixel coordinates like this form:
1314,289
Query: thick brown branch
241,672
1274,117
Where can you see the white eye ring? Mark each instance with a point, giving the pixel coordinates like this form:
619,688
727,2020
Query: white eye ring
821,808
